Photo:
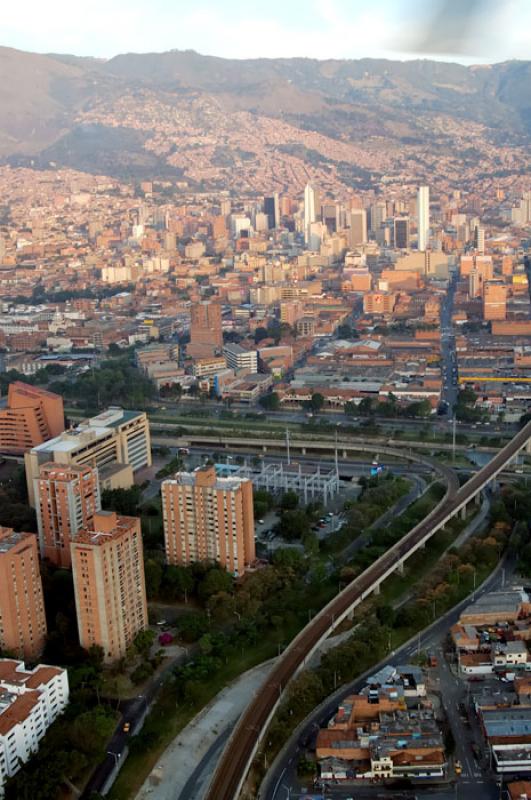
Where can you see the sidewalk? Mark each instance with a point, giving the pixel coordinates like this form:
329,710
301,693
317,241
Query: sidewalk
188,761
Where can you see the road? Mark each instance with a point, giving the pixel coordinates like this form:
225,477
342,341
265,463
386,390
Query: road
243,744
448,352
282,780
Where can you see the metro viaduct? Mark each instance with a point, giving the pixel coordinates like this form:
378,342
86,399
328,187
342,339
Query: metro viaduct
234,765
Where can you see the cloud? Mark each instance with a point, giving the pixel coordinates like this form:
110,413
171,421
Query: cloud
233,28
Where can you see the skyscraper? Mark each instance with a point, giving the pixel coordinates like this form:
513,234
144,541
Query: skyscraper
208,518
423,217
272,209
311,209
401,233
479,239
109,584
22,619
358,227
67,497
206,334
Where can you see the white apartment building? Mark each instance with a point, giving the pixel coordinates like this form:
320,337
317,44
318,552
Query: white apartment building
238,358
30,700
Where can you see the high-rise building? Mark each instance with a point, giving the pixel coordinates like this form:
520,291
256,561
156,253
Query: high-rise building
272,209
32,416
423,217
206,333
31,699
116,441
494,301
22,618
207,517
401,233
109,584
479,239
358,227
67,497
311,209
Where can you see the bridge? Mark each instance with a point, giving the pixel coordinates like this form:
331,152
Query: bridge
241,748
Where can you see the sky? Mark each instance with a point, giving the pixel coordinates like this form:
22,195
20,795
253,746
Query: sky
468,31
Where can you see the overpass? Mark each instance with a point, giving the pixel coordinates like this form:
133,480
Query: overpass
237,757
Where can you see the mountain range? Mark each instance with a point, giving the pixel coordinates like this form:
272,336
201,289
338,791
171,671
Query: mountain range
268,123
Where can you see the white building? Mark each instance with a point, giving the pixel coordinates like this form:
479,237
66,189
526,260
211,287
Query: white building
423,212
30,700
238,358
311,203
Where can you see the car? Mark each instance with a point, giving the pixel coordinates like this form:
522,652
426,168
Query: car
330,513
127,727
260,521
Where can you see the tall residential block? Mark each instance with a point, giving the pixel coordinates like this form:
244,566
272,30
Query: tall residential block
423,217
116,441
272,209
32,416
109,584
67,497
206,333
22,618
207,517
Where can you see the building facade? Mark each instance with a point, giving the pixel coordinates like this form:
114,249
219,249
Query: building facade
113,438
31,417
206,334
208,518
30,700
109,584
22,617
66,500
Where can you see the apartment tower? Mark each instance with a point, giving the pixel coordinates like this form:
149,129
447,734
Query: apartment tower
67,497
109,585
22,618
208,518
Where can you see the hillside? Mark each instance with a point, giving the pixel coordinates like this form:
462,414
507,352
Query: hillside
263,123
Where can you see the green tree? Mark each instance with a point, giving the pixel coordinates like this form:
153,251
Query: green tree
271,402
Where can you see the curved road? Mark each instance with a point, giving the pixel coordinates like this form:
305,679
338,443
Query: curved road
233,767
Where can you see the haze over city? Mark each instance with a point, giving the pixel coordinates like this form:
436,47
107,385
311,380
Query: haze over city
265,401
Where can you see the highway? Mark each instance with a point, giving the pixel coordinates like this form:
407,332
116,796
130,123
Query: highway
237,757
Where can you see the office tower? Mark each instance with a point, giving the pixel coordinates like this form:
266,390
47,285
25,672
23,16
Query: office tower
474,284
32,416
225,208
30,700
330,214
423,217
401,233
206,334
494,301
67,497
358,227
116,441
311,209
109,585
378,213
208,518
272,209
479,239
22,619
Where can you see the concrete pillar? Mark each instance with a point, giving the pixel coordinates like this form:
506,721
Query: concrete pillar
463,513
264,448
303,451
344,453
528,446
477,499
400,568
377,589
